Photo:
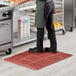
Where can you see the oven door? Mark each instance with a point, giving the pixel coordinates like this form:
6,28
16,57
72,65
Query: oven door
5,32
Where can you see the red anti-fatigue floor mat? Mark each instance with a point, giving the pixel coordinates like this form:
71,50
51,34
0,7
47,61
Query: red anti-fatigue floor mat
37,60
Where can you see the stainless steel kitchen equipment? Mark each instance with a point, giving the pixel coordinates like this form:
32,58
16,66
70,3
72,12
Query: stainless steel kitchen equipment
75,11
69,18
6,28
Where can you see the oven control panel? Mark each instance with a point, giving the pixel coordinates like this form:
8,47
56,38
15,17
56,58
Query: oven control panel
5,14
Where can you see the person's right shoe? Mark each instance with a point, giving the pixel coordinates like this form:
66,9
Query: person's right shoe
50,50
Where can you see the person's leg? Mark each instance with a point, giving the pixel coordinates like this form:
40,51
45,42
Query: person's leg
39,44
51,33
40,38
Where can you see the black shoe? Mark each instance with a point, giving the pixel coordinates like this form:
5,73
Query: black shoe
50,50
35,50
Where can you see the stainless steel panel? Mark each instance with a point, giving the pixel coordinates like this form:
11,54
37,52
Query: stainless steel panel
5,31
75,11
68,14
75,7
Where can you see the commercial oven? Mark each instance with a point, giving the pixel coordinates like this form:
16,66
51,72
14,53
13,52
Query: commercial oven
6,28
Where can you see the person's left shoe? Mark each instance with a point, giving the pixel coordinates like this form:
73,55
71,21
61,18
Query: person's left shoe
35,50
50,50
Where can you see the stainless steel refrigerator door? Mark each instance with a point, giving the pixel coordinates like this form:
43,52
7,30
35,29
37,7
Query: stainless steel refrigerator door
68,14
5,32
75,7
75,11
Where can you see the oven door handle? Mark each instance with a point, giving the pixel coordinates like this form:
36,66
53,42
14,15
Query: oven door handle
6,19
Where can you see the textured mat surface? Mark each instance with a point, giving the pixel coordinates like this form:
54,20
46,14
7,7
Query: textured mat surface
37,60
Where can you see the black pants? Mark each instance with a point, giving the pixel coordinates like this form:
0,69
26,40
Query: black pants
51,34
